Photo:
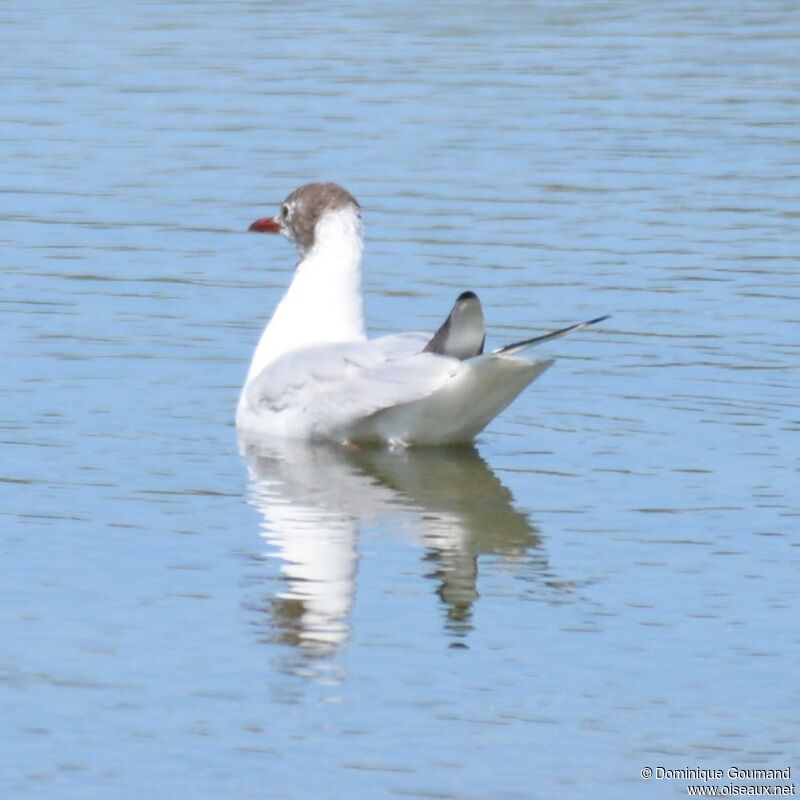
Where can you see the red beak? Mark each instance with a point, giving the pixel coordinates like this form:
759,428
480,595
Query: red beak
265,225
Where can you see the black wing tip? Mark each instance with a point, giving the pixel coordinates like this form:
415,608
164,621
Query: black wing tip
548,336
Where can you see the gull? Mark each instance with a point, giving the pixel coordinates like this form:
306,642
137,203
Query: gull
316,376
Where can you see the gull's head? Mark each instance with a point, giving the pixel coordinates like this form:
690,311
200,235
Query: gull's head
305,213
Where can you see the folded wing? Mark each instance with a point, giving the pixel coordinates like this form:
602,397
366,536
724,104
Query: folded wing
322,391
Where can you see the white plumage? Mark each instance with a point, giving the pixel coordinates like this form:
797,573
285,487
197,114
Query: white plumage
315,375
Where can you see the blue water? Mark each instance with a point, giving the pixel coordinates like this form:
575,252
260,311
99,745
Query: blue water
607,582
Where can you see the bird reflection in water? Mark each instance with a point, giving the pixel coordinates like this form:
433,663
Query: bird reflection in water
314,499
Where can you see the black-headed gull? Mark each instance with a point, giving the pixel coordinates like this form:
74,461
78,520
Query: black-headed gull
315,375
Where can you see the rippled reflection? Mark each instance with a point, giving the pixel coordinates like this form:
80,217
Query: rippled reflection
315,499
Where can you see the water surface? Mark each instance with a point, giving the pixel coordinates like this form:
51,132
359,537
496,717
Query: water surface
607,581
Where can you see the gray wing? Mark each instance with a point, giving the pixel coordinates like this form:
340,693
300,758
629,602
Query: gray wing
462,334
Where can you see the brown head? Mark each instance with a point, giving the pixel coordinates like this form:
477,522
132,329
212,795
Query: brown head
303,209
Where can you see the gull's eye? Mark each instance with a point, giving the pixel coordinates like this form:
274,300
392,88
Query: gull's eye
284,211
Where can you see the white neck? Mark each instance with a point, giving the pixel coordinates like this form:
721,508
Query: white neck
325,301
